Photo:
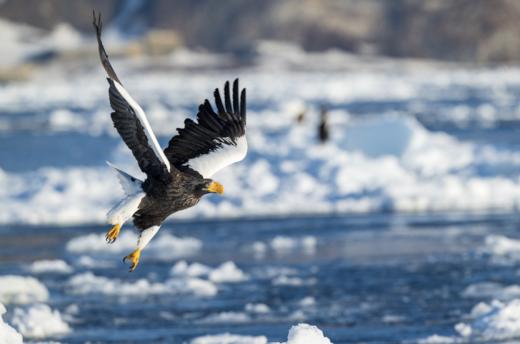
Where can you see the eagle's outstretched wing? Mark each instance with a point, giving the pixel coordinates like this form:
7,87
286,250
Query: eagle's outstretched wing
130,120
216,140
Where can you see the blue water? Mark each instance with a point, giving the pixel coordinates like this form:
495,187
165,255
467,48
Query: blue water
377,278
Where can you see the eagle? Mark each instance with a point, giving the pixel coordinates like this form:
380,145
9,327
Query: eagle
178,176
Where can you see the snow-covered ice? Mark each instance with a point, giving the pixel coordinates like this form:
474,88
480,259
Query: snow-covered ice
306,334
164,247
39,321
226,272
284,172
22,290
8,335
50,266
227,338
88,283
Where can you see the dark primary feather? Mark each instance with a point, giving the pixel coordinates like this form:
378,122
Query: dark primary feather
125,119
103,56
132,133
212,129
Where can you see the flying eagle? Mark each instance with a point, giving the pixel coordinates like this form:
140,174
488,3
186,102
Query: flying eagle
178,176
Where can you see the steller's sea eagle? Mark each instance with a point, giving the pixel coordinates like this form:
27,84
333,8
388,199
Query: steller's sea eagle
178,176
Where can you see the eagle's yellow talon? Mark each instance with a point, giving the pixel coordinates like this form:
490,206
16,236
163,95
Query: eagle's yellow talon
134,258
113,233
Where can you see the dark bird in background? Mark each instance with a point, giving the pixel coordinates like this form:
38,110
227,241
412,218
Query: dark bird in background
323,127
179,176
300,117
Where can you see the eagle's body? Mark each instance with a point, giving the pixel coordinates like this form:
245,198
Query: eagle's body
178,176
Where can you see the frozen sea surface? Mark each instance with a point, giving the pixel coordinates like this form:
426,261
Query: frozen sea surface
373,279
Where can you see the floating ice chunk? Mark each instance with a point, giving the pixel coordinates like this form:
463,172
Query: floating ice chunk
39,321
306,334
88,283
195,286
501,246
227,317
227,272
165,246
498,320
227,338
436,339
50,266
494,321
193,269
493,290
282,244
19,289
307,301
257,308
8,335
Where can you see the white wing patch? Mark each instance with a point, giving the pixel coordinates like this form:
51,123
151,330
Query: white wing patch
139,112
209,164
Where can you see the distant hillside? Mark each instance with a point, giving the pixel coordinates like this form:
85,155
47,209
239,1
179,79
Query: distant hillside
461,30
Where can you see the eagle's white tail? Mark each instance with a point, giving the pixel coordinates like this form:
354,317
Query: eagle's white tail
130,184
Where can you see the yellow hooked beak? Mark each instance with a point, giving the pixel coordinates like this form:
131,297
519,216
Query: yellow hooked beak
216,188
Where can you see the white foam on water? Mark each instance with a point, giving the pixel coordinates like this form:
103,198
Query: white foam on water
39,321
22,290
8,335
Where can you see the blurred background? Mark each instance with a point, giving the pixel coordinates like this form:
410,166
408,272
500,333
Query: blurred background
378,201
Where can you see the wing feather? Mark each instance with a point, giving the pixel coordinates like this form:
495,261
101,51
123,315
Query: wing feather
130,119
216,140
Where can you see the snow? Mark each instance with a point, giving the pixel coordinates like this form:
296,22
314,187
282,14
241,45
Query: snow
501,248
306,334
226,272
56,266
22,290
493,321
39,321
89,283
8,335
164,247
227,338
285,172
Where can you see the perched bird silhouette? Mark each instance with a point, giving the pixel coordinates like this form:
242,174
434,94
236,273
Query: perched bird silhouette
323,127
179,176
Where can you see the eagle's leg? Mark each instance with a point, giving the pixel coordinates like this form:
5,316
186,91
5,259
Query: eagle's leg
144,238
113,233
134,258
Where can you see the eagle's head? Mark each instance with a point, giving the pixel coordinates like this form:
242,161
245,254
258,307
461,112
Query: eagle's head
210,186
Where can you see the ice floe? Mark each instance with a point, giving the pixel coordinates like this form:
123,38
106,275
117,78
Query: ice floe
88,283
164,247
227,338
298,334
39,321
57,266
306,334
22,290
493,321
226,272
8,335
285,172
